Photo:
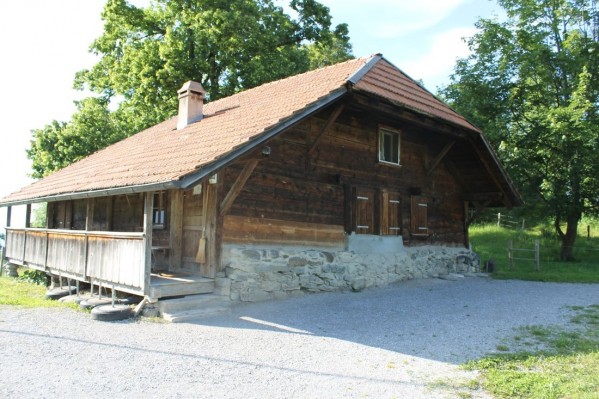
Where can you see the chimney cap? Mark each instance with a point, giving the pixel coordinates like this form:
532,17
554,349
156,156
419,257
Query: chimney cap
193,87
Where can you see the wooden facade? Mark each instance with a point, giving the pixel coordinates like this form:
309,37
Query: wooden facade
321,181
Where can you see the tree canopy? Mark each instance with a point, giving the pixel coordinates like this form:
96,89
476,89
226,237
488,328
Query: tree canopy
146,54
532,84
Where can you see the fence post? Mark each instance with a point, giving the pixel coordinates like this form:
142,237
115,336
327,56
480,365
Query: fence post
498,219
510,254
537,257
522,223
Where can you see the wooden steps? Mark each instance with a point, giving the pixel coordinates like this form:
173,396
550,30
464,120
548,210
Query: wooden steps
193,307
176,286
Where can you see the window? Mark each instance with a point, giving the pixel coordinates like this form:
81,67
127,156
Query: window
420,216
159,211
389,146
390,214
364,211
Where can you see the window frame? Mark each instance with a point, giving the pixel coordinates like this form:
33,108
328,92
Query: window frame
159,208
386,130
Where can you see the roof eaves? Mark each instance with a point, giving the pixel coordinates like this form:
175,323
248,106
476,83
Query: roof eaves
208,170
142,188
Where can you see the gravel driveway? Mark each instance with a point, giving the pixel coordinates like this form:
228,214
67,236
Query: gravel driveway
403,341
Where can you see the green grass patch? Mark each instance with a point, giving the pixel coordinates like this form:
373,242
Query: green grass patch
26,294
491,242
565,364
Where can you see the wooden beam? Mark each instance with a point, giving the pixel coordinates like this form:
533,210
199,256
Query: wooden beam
176,229
238,185
485,163
332,118
455,172
478,197
395,112
439,157
478,208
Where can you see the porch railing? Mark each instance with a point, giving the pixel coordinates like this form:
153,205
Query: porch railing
112,258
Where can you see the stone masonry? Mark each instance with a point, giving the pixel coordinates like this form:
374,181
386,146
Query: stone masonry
263,273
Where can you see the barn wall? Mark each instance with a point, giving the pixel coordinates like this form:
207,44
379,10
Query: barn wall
292,188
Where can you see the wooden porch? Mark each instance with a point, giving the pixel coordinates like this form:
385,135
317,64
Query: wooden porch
116,260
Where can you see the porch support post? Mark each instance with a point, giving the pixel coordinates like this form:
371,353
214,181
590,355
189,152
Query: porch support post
176,229
8,215
211,217
89,221
3,255
147,259
28,216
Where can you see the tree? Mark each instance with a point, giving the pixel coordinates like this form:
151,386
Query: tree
146,54
532,84
59,144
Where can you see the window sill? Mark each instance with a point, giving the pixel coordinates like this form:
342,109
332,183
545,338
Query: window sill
389,164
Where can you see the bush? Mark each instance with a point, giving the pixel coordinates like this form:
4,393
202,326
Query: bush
34,276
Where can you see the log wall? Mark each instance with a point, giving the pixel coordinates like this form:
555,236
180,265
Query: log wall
295,189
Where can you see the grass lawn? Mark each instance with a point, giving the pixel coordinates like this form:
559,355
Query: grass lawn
543,362
566,367
491,242
26,294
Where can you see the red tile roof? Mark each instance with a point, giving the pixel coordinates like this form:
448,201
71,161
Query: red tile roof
163,155
387,81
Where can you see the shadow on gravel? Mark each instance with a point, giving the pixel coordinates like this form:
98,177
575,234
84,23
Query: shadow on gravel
448,321
216,360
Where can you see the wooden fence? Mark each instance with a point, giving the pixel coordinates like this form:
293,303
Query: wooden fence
535,251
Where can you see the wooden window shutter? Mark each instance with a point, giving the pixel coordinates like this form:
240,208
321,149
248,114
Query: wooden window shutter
364,200
419,216
390,213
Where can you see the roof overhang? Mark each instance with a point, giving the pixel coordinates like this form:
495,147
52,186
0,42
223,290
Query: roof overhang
143,188
203,173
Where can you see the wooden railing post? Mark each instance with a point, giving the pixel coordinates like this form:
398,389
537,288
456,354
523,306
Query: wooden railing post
511,253
46,249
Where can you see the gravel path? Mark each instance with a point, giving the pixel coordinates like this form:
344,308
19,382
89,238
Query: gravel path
403,341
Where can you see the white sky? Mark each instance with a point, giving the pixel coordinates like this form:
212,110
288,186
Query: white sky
44,42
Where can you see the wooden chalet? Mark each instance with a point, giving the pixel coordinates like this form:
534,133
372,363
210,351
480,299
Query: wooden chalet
355,149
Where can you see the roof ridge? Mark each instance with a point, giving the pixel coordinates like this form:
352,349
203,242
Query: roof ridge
302,75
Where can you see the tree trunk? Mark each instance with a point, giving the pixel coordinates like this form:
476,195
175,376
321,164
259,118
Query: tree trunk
568,239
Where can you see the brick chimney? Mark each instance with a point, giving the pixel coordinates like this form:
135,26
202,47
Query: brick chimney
191,103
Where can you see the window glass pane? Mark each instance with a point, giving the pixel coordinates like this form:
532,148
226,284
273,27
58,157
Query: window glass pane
389,146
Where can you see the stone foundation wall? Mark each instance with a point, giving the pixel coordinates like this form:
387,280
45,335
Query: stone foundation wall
262,273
